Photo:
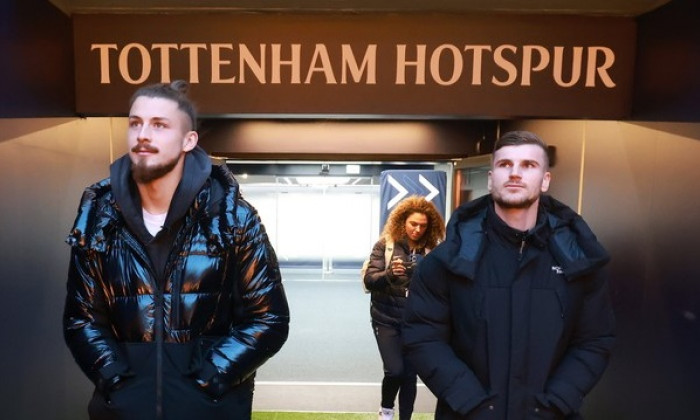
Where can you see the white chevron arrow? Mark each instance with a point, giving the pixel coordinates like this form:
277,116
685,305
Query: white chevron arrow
402,192
433,191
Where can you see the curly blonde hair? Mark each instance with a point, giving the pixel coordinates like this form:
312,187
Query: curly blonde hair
395,229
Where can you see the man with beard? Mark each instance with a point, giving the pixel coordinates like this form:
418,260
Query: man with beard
174,296
510,317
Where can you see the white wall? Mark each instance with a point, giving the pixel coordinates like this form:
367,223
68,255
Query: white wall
307,223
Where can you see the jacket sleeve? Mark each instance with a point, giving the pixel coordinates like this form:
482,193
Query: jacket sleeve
85,321
426,336
377,275
261,315
587,356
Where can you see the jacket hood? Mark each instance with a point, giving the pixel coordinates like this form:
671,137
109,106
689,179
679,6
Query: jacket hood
573,242
114,201
196,171
567,235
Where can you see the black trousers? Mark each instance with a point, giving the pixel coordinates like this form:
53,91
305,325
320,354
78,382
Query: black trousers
399,376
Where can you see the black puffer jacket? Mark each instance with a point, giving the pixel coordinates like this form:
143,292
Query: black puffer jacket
522,337
217,311
388,291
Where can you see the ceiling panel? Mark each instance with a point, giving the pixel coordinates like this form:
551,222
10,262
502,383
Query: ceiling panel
579,7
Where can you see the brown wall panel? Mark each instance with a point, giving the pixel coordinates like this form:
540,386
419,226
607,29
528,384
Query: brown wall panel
37,73
44,170
640,198
667,87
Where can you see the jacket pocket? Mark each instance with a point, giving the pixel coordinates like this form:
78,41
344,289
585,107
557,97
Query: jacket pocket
185,399
562,299
544,413
135,397
540,408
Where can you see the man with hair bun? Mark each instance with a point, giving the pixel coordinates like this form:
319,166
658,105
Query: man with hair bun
174,295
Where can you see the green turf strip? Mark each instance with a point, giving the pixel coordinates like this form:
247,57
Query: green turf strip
326,416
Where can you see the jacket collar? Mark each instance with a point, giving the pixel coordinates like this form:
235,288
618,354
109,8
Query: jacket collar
196,171
537,236
566,234
213,205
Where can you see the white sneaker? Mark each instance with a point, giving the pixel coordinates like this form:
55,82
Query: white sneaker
386,413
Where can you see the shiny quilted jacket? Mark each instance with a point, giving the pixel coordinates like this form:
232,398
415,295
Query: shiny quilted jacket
222,284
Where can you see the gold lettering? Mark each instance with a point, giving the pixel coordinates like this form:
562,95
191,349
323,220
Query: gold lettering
477,63
217,62
593,68
457,64
369,65
402,63
104,60
528,51
193,54
164,60
124,63
506,65
575,66
321,53
246,57
277,63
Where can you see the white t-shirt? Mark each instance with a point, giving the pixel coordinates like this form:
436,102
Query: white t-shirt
154,222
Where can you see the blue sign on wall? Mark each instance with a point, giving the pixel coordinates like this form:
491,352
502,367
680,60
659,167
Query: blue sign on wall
395,185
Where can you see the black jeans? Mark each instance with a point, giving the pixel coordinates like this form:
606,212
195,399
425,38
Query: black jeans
399,377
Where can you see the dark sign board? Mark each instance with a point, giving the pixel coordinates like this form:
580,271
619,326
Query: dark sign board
395,185
362,64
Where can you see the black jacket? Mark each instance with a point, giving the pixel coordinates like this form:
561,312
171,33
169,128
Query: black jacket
388,292
502,324
203,300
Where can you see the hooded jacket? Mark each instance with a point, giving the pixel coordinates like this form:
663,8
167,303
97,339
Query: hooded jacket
202,300
509,325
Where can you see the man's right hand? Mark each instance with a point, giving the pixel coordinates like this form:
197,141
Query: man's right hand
109,385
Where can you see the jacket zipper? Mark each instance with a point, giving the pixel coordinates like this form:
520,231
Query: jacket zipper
160,318
174,264
158,322
521,250
159,353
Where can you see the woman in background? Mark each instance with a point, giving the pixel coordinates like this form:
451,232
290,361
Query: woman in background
412,229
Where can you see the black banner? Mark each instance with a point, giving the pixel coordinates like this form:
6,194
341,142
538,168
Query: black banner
422,65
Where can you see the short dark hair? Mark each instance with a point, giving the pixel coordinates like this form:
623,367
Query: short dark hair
518,138
175,91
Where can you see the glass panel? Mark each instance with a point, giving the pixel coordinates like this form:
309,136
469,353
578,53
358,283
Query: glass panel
326,231
474,183
471,178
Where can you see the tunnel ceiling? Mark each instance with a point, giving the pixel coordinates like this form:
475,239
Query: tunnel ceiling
576,7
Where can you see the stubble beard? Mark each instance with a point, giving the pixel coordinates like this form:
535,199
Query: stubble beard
515,204
143,174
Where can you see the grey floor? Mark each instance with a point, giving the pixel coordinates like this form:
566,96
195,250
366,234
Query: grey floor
330,361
